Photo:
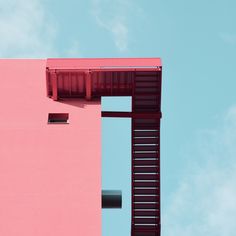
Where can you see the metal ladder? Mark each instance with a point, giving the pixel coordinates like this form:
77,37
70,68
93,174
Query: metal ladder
146,154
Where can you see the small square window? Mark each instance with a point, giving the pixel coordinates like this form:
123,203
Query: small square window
58,118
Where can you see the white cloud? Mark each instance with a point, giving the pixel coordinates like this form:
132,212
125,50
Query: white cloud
25,29
113,18
205,202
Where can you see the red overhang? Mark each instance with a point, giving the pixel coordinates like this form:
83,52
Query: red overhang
102,63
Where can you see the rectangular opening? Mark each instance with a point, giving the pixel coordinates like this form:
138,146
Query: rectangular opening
116,134
117,103
58,118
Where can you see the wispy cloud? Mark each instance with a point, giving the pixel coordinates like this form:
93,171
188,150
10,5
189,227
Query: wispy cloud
112,16
73,50
229,38
25,29
120,34
204,203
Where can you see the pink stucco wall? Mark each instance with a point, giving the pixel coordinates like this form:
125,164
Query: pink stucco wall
50,174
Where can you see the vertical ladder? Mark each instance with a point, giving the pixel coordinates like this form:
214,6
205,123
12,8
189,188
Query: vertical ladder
146,154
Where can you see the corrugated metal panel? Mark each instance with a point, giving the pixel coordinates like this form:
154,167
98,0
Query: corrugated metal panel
73,84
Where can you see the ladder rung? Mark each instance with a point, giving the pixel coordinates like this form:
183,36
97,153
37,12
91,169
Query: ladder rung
146,155
146,213
146,169
145,162
146,148
146,191
146,205
146,220
146,184
146,133
146,177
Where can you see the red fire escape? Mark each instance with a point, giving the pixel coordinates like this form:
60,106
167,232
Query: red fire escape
141,79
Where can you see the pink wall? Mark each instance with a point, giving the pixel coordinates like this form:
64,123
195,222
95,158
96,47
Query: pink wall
50,174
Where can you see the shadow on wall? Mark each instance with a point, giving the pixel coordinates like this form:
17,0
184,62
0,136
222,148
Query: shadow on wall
80,102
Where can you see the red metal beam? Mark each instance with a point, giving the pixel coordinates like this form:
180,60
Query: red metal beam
88,86
116,114
149,115
54,86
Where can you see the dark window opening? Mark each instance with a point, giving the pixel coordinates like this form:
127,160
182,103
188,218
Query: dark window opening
58,118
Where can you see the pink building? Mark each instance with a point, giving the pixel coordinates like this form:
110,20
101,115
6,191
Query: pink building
50,150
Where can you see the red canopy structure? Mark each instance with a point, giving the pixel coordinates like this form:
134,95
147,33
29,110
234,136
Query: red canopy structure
141,79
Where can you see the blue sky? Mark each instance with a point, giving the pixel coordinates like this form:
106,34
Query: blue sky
197,43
